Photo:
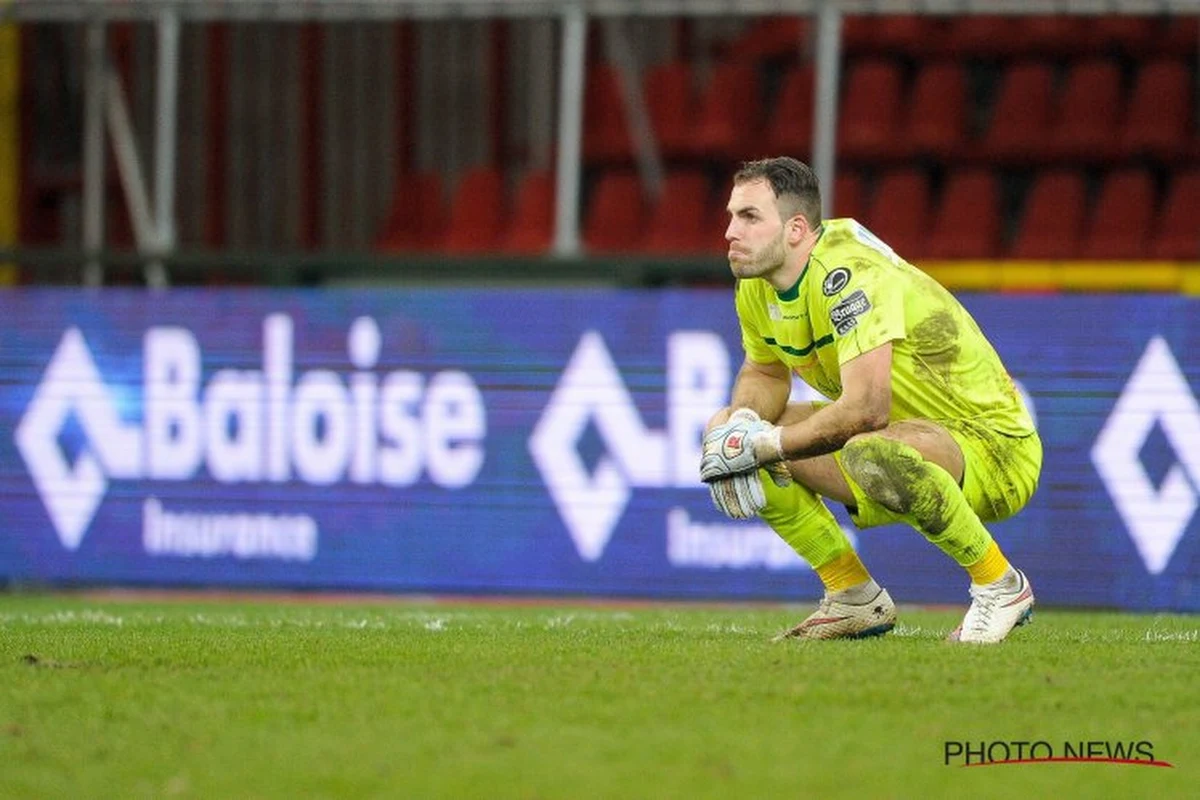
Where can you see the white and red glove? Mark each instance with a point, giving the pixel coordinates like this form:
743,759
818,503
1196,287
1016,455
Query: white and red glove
738,496
743,444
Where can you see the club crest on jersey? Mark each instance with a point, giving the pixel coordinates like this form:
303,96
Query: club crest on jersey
835,281
845,314
732,446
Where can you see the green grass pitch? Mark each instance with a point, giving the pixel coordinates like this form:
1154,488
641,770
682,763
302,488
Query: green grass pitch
260,698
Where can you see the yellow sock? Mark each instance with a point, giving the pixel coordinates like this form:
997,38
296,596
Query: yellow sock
843,572
990,568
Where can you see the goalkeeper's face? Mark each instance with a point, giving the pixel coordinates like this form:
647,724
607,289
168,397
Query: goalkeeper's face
756,233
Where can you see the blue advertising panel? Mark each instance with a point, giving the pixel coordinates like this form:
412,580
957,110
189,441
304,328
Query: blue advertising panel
544,441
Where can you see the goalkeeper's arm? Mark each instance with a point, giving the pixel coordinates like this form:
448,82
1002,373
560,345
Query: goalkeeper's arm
747,441
864,405
762,388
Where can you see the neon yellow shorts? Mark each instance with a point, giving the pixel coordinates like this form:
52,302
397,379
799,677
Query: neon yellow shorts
1000,475
1001,472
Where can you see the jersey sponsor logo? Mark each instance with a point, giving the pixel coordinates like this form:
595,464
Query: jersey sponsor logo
845,314
776,314
846,326
835,281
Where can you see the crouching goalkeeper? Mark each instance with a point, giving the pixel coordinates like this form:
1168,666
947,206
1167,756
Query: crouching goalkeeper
926,426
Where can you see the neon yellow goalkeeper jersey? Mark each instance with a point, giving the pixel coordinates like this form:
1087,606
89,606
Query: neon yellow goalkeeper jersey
856,294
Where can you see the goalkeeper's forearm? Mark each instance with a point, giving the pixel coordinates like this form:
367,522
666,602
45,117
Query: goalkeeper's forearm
762,388
825,431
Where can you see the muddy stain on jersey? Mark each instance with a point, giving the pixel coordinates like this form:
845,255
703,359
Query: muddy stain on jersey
833,238
935,347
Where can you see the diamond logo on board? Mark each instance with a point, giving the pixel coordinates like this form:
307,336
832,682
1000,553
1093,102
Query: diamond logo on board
71,493
591,390
1157,393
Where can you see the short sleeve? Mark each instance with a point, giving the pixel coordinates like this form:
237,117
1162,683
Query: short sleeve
753,341
862,310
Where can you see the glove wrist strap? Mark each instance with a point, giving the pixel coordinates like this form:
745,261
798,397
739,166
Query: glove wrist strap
768,446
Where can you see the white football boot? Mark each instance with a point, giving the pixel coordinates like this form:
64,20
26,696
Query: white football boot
836,619
996,608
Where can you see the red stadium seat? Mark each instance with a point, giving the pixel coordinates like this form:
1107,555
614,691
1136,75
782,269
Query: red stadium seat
904,34
899,211
1159,111
731,109
1120,223
849,195
717,213
870,121
679,222
1020,117
1088,111
789,130
887,34
858,33
477,211
606,137
980,36
718,220
967,223
671,104
1181,36
1052,220
531,227
778,37
937,115
615,214
1123,34
1052,35
417,217
1176,235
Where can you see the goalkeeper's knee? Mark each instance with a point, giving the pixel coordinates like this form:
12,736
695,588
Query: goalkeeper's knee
893,474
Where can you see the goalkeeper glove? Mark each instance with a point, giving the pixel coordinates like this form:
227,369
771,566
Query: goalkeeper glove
738,496
742,444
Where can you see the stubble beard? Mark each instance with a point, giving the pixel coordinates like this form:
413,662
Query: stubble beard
769,259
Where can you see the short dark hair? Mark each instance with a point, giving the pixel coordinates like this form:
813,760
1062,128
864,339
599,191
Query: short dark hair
794,183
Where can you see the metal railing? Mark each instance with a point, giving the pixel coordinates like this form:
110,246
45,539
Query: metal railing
152,201
320,10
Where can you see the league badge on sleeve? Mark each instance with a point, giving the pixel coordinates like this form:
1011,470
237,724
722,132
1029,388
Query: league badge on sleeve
835,281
